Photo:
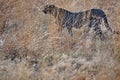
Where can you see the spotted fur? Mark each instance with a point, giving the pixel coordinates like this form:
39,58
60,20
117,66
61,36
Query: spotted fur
68,19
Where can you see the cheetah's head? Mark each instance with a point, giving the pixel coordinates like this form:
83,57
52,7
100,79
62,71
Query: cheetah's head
48,9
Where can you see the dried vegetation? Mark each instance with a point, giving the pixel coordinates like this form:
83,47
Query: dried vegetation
32,49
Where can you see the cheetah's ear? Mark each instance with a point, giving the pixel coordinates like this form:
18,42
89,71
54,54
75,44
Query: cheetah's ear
50,6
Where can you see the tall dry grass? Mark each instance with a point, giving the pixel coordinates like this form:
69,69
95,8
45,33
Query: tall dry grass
32,49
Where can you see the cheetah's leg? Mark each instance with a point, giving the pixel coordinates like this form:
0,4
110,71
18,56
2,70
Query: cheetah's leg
98,30
70,31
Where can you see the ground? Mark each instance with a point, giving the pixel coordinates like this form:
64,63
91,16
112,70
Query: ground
32,49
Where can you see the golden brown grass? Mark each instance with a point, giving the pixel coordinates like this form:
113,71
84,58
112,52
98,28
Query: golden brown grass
44,54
